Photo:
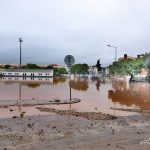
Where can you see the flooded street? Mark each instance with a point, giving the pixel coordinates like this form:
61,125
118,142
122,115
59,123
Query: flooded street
56,127
105,95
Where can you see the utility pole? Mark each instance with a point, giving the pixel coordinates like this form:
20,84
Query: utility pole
20,40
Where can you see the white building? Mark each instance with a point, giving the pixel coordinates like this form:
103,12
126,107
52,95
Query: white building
25,73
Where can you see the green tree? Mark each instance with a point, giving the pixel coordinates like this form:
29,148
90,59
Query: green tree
147,63
49,67
80,69
31,66
7,66
128,66
59,71
136,65
98,65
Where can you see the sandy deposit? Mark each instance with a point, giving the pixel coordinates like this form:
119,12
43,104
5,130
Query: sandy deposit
87,115
34,102
69,132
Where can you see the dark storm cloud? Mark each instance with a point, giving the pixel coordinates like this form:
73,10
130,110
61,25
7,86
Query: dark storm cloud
52,29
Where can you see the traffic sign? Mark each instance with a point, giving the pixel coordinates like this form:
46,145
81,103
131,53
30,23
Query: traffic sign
69,60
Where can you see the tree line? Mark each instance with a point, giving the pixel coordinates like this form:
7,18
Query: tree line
130,66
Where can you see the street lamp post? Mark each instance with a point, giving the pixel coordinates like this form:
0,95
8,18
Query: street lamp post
115,51
115,60
20,40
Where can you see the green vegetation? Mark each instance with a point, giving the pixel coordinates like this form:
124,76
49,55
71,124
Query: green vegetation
147,61
80,69
127,66
59,71
32,66
49,67
147,64
7,66
27,66
98,65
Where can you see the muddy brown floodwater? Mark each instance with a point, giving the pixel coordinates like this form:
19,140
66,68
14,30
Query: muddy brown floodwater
113,97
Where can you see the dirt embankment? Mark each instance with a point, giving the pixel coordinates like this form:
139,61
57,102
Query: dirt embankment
87,115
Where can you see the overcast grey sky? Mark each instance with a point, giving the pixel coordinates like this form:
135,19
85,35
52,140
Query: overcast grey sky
52,29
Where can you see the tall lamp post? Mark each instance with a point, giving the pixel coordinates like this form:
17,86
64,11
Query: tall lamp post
20,40
115,51
115,60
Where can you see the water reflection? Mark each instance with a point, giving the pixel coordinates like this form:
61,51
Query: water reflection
32,85
12,80
59,79
134,94
79,84
20,91
98,84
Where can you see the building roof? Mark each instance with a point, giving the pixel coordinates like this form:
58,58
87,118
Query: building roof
27,70
128,57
